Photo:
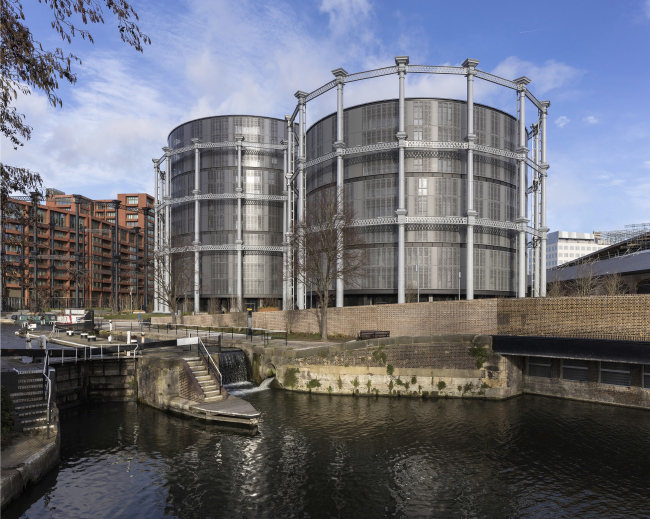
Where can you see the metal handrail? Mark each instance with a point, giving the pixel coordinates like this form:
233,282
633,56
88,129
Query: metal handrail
212,366
48,386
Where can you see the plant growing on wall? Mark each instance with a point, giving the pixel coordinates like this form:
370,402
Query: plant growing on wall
441,385
480,354
327,247
290,377
313,383
390,369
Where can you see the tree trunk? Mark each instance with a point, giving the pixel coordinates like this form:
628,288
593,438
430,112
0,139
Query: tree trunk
323,320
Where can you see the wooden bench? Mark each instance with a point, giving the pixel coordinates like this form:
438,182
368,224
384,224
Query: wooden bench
372,334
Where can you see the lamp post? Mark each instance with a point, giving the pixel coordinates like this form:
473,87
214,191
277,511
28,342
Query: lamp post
131,294
459,285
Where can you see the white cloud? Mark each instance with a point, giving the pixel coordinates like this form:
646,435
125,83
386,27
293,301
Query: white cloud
646,164
647,8
590,119
345,14
551,75
562,121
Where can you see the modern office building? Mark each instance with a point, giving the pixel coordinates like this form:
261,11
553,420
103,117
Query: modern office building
439,187
566,246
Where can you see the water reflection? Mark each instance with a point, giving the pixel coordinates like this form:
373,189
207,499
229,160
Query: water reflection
320,456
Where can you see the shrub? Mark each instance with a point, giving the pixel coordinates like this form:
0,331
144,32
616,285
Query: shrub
442,385
414,379
355,382
340,383
390,369
480,354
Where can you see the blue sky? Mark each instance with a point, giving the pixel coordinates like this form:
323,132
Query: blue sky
589,58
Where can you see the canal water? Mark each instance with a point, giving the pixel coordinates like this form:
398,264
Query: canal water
331,456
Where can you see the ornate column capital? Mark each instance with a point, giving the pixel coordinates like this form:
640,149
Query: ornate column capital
167,150
401,136
401,62
521,83
339,146
301,96
340,74
284,142
195,141
470,65
545,105
239,139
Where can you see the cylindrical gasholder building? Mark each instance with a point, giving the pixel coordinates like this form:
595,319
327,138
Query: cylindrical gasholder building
435,187
261,199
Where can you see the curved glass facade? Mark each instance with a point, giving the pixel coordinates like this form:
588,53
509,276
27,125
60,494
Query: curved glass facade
435,186
262,174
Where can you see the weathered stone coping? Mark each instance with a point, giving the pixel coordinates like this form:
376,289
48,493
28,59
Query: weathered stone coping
26,461
311,350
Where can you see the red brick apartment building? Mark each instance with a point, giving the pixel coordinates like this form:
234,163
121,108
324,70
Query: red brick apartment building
105,277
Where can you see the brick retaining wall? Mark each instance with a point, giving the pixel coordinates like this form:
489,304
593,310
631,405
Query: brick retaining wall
619,317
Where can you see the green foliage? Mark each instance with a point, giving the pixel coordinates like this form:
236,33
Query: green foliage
290,378
329,389
480,354
390,387
313,383
485,385
419,389
346,365
460,389
340,383
390,369
414,379
406,385
380,355
355,382
368,385
442,385
399,382
468,387
362,359
322,354
7,413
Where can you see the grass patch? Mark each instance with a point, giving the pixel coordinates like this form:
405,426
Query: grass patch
355,382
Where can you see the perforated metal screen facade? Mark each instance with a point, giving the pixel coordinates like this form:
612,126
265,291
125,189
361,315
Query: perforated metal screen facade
262,174
435,186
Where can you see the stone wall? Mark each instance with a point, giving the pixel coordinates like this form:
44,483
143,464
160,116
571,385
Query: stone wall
108,380
620,317
591,391
402,366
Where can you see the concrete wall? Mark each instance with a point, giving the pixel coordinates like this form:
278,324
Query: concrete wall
402,366
591,391
620,317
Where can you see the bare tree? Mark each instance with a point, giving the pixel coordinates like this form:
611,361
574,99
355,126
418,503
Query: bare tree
411,293
327,246
174,276
586,279
613,285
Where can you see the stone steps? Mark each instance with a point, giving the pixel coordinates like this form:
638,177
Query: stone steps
201,374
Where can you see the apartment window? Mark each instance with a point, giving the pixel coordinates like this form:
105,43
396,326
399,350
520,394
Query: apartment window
417,113
131,216
539,367
615,374
422,199
131,199
576,370
417,134
131,224
417,164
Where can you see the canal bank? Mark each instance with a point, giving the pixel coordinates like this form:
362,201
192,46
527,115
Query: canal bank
463,366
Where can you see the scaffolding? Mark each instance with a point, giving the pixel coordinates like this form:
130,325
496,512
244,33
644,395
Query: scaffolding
633,238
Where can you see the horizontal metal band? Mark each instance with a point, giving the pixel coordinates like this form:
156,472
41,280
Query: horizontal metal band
320,159
437,145
370,74
229,247
370,148
244,145
497,151
495,79
222,196
427,69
